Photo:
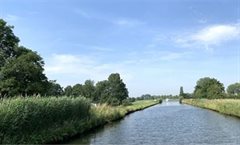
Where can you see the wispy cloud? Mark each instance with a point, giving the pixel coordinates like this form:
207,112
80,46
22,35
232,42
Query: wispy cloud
202,21
127,22
122,22
82,13
11,17
210,36
173,56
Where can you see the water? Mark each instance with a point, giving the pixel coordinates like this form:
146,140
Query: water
169,123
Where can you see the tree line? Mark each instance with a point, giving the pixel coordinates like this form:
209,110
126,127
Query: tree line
112,91
211,88
21,74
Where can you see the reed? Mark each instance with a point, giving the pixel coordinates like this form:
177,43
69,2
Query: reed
225,106
34,120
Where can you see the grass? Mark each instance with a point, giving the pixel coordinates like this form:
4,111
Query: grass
40,120
225,106
102,114
49,120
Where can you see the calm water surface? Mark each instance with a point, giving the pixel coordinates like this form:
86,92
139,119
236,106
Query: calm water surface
168,124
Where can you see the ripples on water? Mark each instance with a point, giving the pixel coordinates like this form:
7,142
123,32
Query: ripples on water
169,123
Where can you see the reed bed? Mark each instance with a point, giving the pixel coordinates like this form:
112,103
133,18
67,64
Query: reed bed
35,120
225,106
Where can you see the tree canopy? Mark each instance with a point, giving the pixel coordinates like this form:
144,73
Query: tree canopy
21,69
209,88
112,91
234,89
181,93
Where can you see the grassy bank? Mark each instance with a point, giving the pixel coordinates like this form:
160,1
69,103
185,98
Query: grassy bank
225,106
50,120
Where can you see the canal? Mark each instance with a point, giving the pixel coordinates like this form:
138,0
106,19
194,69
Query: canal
169,123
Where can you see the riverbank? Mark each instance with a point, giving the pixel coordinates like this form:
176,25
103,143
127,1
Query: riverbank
225,106
103,114
50,120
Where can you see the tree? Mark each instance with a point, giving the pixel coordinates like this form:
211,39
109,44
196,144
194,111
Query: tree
21,70
8,42
117,89
112,91
89,89
209,88
68,91
54,89
181,92
101,92
77,90
234,89
23,75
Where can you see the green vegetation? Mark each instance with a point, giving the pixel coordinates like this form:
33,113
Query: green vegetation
41,120
21,74
233,90
181,93
51,119
104,113
209,88
226,106
112,91
156,97
21,69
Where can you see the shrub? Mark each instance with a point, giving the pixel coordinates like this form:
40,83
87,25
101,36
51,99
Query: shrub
126,102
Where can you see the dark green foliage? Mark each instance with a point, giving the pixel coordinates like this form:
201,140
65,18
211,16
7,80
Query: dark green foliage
54,89
234,89
187,95
77,90
117,89
21,70
23,75
209,88
8,42
89,89
132,99
40,120
147,96
68,91
101,92
112,91
126,102
160,101
181,92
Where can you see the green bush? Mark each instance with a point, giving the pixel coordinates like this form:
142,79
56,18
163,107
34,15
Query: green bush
126,102
160,101
40,120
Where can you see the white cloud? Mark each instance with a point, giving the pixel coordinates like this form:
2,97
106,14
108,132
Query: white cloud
11,17
83,67
126,22
211,36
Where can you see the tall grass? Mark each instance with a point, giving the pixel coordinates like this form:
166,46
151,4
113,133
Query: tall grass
40,120
226,106
49,120
102,114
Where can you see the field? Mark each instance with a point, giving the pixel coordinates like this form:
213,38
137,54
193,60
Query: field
225,106
49,120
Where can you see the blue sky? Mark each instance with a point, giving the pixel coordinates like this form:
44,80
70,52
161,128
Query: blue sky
156,45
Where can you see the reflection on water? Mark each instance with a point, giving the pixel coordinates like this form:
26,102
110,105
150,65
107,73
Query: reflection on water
168,123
